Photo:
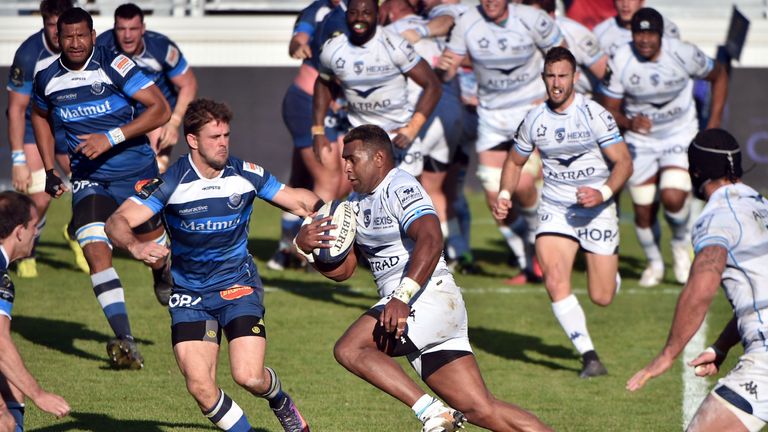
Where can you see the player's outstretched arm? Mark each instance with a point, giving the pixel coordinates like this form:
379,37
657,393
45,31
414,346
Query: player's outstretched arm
312,236
448,65
119,229
13,369
719,79
708,362
298,47
321,100
301,202
691,308
17,106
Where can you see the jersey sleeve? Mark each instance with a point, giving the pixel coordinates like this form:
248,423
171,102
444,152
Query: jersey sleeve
611,84
7,294
38,94
263,181
524,145
603,125
325,65
305,22
586,48
671,30
451,10
22,71
408,201
714,229
543,29
457,42
156,192
695,62
126,75
107,40
174,62
401,52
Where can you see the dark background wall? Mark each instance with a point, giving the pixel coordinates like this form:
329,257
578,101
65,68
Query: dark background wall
258,133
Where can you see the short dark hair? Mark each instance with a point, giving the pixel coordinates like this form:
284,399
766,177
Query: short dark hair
557,54
74,16
49,8
547,6
202,111
128,11
15,210
373,137
375,4
647,19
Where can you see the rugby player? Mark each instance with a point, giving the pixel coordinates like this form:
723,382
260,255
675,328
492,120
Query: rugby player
371,65
649,92
89,94
729,238
585,162
162,61
18,229
27,174
505,44
206,199
615,32
421,314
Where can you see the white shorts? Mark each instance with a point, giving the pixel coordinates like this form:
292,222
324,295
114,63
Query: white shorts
443,136
499,125
745,385
596,230
651,155
438,320
410,159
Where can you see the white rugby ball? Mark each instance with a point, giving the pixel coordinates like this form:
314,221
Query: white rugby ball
346,227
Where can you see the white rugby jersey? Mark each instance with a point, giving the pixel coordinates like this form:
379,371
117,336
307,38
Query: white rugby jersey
383,218
372,77
429,49
570,146
612,36
662,90
585,48
736,218
506,59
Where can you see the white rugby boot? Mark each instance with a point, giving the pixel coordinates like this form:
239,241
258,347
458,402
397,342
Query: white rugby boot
681,261
440,418
651,276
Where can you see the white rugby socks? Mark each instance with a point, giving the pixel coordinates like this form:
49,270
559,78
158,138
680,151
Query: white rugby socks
647,240
569,313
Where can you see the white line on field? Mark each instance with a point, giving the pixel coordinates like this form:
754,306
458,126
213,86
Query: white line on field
695,389
519,290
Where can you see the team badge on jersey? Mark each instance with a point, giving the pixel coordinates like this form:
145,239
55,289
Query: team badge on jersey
7,292
172,56
145,188
253,168
97,88
17,76
608,119
408,195
234,201
122,65
701,227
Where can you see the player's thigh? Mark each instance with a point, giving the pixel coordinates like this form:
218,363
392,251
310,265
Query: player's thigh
364,332
713,415
601,276
740,389
645,154
556,254
674,148
459,383
197,359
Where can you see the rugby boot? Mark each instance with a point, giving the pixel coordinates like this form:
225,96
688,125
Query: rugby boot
443,419
290,417
163,283
124,353
651,276
466,265
77,251
280,261
592,367
681,261
27,268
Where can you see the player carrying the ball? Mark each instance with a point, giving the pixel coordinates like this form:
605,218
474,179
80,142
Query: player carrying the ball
421,314
206,199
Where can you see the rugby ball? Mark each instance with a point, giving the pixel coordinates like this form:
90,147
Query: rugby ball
346,226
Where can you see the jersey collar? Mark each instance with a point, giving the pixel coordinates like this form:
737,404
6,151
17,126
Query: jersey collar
200,175
85,65
5,256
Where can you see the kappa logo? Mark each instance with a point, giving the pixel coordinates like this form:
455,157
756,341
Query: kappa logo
122,65
634,79
252,167
235,292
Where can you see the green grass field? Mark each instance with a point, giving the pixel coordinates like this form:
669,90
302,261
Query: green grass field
523,353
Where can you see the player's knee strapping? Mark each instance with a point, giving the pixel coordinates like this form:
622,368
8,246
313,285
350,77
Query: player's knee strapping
109,292
227,415
675,179
643,194
17,412
92,233
37,184
489,177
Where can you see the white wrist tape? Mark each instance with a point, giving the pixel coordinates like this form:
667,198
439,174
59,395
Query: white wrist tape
606,192
505,194
308,256
18,157
407,288
115,136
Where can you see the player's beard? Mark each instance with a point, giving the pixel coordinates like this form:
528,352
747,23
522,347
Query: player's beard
361,38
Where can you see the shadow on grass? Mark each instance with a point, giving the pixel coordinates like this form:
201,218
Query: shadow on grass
61,335
515,346
100,422
47,257
330,292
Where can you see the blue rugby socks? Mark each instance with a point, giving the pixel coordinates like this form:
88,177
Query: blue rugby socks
227,415
109,292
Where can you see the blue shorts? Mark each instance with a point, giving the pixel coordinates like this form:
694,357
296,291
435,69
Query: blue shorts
297,116
117,190
221,306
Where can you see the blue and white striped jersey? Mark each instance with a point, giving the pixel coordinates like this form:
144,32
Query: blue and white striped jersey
207,220
94,100
161,60
33,55
7,292
383,218
736,218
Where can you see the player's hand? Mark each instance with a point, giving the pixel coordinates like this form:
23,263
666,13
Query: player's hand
658,366
169,136
402,139
52,404
588,197
411,35
641,124
21,177
53,184
93,145
501,208
149,252
312,235
302,52
394,317
707,363
445,62
321,147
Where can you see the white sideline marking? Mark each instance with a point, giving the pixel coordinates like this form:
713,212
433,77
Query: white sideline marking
517,290
695,389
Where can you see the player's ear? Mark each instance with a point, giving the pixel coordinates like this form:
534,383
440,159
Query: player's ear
192,141
93,36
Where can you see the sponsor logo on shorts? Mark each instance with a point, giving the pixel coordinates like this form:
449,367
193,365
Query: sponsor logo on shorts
183,300
597,235
79,185
211,334
255,330
235,292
